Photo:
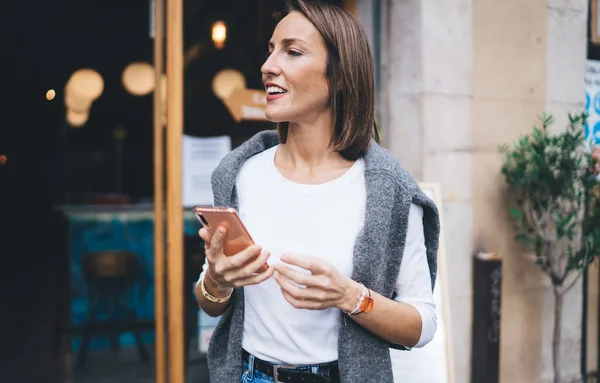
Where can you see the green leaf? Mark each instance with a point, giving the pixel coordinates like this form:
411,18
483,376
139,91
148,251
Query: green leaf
515,213
523,238
547,173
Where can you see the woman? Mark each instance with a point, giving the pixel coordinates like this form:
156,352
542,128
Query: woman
349,238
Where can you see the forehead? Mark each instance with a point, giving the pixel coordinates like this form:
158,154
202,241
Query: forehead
296,26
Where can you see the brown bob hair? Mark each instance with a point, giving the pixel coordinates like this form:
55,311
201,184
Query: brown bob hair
349,73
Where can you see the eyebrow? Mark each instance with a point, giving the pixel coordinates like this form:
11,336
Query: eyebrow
288,41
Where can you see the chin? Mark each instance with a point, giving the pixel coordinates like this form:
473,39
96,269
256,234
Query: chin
271,118
274,116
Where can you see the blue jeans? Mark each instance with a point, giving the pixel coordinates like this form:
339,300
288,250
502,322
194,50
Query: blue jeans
250,375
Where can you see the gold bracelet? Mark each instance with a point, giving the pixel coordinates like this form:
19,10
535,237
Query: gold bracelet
210,297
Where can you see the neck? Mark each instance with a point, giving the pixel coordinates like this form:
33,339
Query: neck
309,144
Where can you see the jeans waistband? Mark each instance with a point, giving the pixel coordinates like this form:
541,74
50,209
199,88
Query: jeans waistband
322,372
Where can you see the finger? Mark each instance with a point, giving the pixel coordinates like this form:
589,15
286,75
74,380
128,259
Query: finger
293,301
205,235
299,304
216,243
293,290
261,261
243,257
314,265
295,275
243,268
256,279
301,293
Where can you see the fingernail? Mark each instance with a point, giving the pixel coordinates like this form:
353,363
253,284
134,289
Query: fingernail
221,230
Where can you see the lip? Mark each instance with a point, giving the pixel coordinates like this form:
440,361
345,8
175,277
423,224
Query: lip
268,84
271,97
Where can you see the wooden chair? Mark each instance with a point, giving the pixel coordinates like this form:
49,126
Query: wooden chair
110,275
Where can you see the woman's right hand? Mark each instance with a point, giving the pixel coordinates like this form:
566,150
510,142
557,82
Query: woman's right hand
241,269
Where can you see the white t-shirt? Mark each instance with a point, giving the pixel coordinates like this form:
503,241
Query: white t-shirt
322,221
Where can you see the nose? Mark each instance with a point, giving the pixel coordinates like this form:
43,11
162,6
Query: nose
270,66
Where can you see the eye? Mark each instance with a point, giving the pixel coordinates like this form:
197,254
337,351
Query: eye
292,52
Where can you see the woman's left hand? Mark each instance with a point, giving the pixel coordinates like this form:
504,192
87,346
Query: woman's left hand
325,287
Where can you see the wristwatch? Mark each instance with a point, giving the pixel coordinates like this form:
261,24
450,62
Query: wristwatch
364,304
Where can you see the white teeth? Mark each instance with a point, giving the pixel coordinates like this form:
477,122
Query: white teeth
275,89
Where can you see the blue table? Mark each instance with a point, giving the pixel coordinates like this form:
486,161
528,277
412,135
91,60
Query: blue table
130,228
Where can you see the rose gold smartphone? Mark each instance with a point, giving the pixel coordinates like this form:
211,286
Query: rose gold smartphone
237,237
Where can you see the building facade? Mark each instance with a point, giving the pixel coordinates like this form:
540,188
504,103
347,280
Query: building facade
456,79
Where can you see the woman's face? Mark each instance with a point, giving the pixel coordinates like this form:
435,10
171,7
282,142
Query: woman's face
294,73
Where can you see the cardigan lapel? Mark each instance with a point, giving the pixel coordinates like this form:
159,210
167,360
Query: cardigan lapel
223,180
224,177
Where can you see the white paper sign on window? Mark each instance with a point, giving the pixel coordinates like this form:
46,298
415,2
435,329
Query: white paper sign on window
201,155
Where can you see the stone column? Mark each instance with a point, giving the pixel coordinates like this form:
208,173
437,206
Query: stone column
509,92
427,74
459,78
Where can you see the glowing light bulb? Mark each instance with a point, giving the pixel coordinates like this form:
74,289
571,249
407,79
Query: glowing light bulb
219,34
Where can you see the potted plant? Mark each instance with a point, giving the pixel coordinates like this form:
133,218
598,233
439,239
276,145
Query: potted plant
553,181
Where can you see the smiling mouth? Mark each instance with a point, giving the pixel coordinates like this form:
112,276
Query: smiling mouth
275,90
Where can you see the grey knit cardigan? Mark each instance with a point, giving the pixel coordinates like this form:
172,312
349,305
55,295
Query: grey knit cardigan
362,356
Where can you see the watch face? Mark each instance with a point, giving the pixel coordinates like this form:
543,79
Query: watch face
366,305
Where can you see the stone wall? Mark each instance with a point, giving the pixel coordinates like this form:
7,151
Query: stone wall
459,78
